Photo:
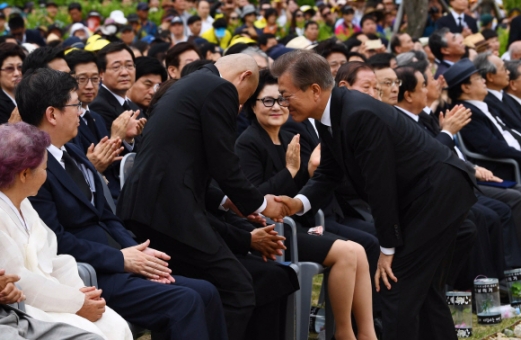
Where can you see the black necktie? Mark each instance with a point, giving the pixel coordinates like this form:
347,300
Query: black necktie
126,106
91,124
77,176
460,24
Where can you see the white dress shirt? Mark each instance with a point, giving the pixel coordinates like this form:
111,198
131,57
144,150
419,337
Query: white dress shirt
507,136
497,94
457,17
206,24
326,120
57,153
411,115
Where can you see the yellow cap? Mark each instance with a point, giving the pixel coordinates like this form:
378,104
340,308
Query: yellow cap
240,39
96,45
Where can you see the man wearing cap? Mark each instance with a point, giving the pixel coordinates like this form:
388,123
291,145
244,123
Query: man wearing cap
248,16
485,134
127,35
177,30
218,34
180,7
147,27
457,21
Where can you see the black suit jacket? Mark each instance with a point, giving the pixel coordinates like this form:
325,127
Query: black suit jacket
188,140
108,107
515,30
512,103
395,166
512,118
449,22
81,228
482,136
442,67
6,107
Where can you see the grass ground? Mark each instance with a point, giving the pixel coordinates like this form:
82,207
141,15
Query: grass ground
479,332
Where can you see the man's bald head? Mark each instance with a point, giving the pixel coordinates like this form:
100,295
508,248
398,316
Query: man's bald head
242,71
515,50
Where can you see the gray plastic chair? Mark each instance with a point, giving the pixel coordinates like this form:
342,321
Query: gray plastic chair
305,272
88,276
125,167
478,156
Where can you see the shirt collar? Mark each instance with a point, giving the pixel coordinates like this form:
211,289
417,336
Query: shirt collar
517,99
56,152
408,113
456,16
120,99
8,96
497,94
326,116
480,105
427,110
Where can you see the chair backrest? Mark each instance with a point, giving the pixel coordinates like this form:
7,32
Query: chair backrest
125,167
87,274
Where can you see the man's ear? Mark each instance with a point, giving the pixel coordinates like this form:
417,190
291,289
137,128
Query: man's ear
317,91
407,97
50,116
173,72
343,83
245,75
512,85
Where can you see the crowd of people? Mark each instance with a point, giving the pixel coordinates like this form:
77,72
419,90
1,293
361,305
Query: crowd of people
238,113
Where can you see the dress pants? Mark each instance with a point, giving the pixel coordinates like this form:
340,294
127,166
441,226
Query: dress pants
415,307
16,325
222,269
187,309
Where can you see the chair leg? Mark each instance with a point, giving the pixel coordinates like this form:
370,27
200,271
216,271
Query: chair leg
290,333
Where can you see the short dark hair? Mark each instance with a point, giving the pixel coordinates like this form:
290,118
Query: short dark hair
368,16
41,88
194,66
395,42
349,71
356,54
172,56
310,22
489,33
352,42
4,38
206,46
74,5
112,48
16,22
263,38
409,82
41,57
192,19
437,41
78,57
381,60
10,50
326,47
149,65
265,78
512,66
158,51
269,12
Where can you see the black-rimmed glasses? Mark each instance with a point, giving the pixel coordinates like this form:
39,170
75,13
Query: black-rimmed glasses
270,101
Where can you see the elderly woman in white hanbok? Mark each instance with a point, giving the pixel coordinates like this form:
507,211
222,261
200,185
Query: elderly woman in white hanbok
28,248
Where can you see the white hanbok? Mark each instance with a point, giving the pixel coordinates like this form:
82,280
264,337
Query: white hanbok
50,282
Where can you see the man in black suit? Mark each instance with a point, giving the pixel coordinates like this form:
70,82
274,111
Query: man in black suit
447,47
189,140
496,76
512,98
11,59
419,195
47,56
135,279
457,21
117,69
23,35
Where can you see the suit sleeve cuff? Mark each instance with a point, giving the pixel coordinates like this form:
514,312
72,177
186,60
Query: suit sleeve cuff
262,207
305,203
221,206
447,132
387,251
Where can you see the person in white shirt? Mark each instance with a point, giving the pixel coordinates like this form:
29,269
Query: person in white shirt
203,10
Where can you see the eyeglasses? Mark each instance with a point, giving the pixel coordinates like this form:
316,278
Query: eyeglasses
390,83
78,105
270,101
326,14
11,69
299,15
82,80
119,68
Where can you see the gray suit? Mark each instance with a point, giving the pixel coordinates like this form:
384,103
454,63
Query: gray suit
16,325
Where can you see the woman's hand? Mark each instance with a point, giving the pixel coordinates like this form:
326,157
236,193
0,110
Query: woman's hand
293,156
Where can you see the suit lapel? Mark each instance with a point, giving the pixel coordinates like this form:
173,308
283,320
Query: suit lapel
270,147
109,97
312,132
84,130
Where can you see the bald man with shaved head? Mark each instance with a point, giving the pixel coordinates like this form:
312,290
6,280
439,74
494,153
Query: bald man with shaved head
188,141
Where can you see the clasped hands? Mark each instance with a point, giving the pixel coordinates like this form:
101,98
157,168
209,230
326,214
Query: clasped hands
148,262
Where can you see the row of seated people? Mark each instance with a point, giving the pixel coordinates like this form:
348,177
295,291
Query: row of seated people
85,227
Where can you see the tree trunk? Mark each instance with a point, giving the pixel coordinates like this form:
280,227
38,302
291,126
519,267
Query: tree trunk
417,11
